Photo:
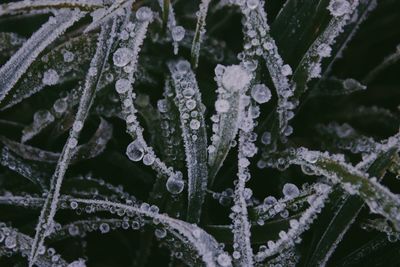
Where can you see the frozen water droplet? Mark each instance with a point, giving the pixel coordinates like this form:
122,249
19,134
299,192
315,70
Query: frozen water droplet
188,92
194,124
222,105
73,205
122,86
68,56
11,241
175,183
286,70
122,56
162,105
183,66
72,143
104,228
290,190
339,7
148,159
224,260
178,33
144,14
73,230
252,4
135,151
160,233
190,104
266,138
77,126
50,77
235,78
42,116
260,93
60,106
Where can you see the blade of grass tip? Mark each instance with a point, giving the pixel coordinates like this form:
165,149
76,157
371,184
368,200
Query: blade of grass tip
46,224
16,66
200,31
188,100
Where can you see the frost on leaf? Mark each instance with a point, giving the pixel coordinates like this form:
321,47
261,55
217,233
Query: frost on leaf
17,65
232,82
46,218
191,108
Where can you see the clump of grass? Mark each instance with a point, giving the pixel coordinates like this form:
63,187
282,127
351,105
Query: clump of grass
183,138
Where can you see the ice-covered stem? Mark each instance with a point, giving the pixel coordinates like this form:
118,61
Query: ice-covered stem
240,218
297,227
126,59
200,31
388,61
236,80
310,64
29,5
18,64
45,224
15,241
259,42
377,197
194,135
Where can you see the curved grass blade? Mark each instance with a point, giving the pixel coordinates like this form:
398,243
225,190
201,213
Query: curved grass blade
188,100
46,223
17,65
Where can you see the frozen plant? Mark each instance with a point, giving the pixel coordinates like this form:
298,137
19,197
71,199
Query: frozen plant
199,133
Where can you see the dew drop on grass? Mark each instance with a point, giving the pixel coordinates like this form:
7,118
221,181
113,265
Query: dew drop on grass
339,7
122,86
50,77
135,151
235,78
175,183
178,33
104,228
290,191
122,56
260,93
144,14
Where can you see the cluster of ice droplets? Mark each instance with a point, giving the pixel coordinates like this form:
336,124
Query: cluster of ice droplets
50,77
175,183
